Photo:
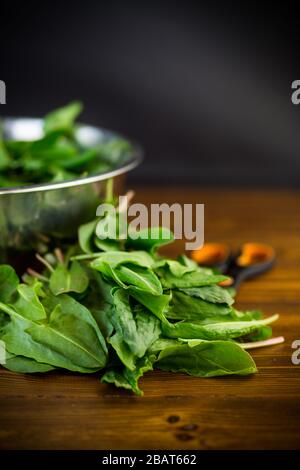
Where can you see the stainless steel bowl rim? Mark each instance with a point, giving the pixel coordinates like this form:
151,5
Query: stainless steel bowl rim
135,160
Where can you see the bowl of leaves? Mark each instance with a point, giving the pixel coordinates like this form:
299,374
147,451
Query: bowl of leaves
53,174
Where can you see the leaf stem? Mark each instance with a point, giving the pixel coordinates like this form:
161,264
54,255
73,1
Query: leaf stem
260,344
34,273
59,255
125,202
109,191
44,262
86,256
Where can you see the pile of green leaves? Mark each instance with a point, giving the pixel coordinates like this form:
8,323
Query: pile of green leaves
118,307
57,155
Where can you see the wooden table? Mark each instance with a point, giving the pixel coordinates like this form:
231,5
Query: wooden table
69,411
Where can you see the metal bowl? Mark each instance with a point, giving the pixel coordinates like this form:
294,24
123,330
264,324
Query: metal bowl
28,214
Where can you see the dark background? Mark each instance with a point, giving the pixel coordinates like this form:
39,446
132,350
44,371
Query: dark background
205,87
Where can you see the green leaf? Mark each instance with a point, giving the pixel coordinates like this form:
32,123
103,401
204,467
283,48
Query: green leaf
142,279
178,275
25,365
124,353
28,303
184,307
106,245
157,304
135,329
143,365
8,282
215,331
129,270
78,323
132,277
86,235
116,377
124,322
116,258
206,359
62,119
5,160
248,315
115,150
149,239
163,343
264,332
53,149
68,338
188,262
128,379
79,160
64,280
213,293
99,301
190,279
180,268
176,269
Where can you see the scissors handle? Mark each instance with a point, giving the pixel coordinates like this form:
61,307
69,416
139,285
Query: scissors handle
241,273
252,260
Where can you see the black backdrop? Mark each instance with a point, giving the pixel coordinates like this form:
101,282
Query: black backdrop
204,86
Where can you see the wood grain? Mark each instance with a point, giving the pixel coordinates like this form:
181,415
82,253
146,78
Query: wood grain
69,411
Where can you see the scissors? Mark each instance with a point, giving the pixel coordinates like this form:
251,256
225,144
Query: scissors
251,260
